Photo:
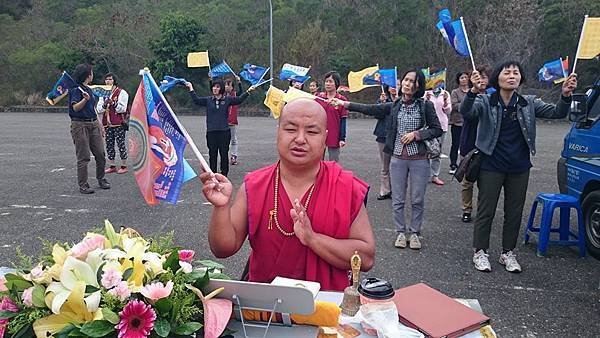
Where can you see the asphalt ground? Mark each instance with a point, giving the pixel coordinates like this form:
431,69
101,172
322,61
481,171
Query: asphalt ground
555,296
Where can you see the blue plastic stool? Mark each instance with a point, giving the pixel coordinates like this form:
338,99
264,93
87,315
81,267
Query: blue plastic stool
551,202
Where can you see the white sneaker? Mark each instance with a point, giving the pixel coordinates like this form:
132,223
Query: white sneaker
481,261
414,242
400,241
509,260
443,156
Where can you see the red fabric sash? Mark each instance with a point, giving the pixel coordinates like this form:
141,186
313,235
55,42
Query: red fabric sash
336,201
232,117
115,118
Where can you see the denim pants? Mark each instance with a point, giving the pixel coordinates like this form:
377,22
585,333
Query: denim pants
405,173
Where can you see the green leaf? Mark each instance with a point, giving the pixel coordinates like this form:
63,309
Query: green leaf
7,314
110,316
219,276
194,275
172,262
16,282
99,273
66,331
162,327
188,328
26,331
38,294
97,328
163,306
111,234
202,282
18,285
211,264
91,289
127,273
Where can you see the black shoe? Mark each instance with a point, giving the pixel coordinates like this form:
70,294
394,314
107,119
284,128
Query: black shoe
103,183
86,190
384,197
466,217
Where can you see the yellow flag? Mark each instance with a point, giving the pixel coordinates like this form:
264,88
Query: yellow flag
198,59
355,79
294,93
589,44
275,101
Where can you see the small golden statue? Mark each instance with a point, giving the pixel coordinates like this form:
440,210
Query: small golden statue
351,301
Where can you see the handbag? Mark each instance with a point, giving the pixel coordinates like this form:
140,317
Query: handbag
434,147
469,167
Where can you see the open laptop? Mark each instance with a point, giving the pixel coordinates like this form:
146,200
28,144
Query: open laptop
435,314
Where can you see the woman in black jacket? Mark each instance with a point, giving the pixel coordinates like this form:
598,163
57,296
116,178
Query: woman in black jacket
413,121
218,135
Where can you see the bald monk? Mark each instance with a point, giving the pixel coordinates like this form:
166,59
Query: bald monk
304,217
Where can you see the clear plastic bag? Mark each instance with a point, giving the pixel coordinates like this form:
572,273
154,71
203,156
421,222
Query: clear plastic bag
381,319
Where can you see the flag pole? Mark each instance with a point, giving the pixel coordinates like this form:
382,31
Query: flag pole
187,136
380,83
579,44
230,69
462,23
265,73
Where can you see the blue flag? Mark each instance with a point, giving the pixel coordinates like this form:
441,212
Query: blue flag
167,144
552,70
291,72
453,32
220,70
253,73
64,83
169,82
381,77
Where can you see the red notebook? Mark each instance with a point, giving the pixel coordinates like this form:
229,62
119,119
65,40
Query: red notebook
435,314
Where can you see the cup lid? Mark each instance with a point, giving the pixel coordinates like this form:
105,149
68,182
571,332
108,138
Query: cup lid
376,288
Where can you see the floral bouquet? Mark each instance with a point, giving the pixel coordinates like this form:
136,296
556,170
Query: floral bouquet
113,285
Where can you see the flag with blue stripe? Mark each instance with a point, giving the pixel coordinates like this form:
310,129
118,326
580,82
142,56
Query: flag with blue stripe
253,73
552,70
64,83
169,82
291,72
220,70
453,32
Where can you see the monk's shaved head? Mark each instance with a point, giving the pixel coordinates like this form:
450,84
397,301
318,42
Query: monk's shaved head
304,107
302,133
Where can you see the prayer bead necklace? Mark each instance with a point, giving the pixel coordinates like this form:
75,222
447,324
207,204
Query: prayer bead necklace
273,213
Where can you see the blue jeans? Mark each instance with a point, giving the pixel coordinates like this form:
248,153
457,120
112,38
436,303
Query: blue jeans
401,173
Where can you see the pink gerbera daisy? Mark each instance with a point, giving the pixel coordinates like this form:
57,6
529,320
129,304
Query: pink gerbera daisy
137,320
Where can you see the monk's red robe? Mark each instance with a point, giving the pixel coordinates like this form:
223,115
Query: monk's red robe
335,203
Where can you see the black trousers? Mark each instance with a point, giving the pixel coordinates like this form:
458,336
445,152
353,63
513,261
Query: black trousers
218,146
515,192
455,131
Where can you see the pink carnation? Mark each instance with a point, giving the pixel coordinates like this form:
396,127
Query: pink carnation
7,305
186,255
157,290
121,291
28,297
111,278
81,249
37,272
3,284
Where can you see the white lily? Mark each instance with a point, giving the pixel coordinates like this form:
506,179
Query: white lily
154,262
73,273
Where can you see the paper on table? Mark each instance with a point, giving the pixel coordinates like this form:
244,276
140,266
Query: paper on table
313,287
